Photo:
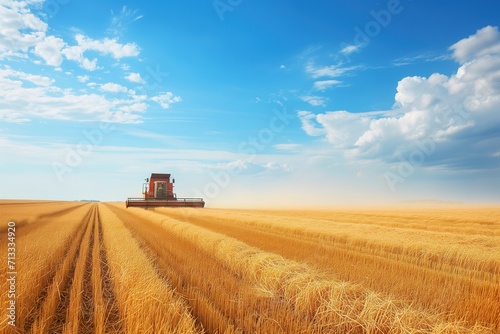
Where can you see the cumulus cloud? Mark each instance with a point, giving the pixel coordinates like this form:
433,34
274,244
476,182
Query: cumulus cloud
20,29
18,77
50,50
135,77
108,46
104,46
484,42
165,100
83,78
340,128
310,125
26,96
458,114
114,88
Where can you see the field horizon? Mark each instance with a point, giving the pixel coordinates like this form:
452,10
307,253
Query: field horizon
385,205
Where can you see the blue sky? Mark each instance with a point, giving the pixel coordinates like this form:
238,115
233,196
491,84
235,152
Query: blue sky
251,103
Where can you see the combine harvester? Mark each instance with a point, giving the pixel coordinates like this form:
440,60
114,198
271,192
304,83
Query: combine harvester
159,191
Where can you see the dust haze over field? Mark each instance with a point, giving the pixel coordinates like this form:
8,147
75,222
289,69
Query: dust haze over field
102,268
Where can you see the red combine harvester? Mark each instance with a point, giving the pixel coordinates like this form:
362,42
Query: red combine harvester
159,191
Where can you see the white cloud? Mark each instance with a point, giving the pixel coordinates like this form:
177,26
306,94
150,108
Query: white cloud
25,96
105,46
325,84
120,20
134,107
83,78
315,101
135,77
165,100
425,57
308,124
113,88
340,128
20,29
331,71
348,49
276,166
8,74
458,115
485,41
50,50
108,46
88,64
75,53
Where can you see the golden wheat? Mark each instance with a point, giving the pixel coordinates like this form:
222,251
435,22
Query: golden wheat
101,268
146,303
39,250
383,254
74,309
273,287
100,309
29,212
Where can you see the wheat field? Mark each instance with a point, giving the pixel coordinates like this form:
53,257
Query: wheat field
102,268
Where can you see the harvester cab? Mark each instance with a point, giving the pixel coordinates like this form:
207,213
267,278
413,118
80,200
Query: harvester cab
158,190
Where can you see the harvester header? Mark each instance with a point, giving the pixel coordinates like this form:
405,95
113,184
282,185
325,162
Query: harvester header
158,190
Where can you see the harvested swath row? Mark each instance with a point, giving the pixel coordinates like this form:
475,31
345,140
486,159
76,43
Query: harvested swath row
65,287
252,305
441,251
146,304
96,281
81,300
92,307
106,315
9,202
87,303
462,294
213,302
279,295
482,254
37,258
63,209
78,314
33,214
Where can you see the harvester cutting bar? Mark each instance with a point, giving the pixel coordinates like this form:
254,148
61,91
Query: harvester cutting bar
177,202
